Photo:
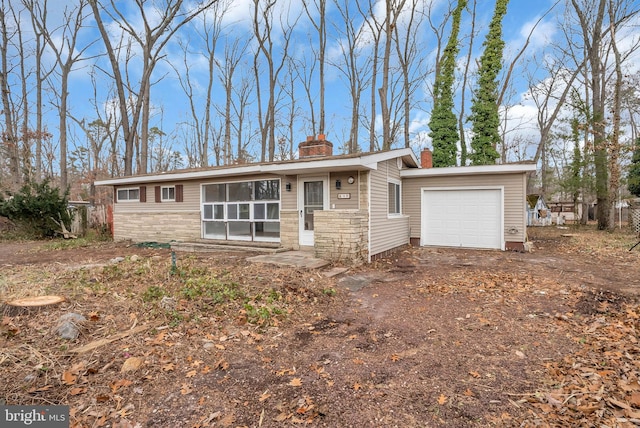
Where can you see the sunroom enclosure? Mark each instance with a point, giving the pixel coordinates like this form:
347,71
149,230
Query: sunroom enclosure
241,210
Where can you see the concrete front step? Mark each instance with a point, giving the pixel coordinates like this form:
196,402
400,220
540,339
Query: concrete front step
204,247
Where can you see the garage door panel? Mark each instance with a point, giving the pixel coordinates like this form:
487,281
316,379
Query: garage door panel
462,218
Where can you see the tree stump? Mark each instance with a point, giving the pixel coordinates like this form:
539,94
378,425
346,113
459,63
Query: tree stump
30,304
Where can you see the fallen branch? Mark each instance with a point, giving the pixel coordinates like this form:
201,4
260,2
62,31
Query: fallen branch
65,233
105,341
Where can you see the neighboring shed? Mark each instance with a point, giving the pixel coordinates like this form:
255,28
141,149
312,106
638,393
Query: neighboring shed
538,213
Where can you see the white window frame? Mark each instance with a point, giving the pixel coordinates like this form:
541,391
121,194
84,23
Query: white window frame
128,190
250,205
168,188
398,199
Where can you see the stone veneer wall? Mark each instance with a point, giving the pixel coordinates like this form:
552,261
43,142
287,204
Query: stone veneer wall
289,229
157,226
341,235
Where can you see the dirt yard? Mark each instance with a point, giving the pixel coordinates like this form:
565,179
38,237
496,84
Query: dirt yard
428,337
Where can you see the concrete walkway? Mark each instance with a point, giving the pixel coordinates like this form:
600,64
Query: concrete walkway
301,259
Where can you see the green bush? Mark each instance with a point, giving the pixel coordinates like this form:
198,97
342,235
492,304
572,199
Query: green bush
36,208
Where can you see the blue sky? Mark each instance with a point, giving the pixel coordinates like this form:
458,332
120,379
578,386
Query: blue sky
170,106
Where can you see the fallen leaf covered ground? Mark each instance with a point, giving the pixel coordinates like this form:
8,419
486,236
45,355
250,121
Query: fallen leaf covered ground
432,337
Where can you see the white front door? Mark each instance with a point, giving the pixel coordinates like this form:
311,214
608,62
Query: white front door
313,195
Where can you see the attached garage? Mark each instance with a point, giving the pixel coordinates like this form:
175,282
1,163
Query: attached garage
462,217
467,207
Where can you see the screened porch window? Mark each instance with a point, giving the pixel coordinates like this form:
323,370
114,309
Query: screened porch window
245,210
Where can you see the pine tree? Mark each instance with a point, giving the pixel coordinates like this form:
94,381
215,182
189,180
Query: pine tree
484,111
443,122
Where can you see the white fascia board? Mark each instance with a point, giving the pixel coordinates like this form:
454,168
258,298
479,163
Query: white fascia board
178,176
468,170
391,154
365,162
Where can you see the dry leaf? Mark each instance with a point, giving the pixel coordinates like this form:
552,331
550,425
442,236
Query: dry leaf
116,385
68,378
635,399
192,373
474,374
228,420
77,391
168,367
131,364
358,361
265,395
185,389
442,399
205,370
296,381
468,392
222,364
357,386
395,357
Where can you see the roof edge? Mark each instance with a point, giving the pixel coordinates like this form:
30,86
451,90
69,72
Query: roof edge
364,162
470,170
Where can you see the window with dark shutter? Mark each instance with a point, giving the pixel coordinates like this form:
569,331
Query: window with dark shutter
158,194
143,193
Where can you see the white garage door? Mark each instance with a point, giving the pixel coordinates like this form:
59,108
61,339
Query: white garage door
470,218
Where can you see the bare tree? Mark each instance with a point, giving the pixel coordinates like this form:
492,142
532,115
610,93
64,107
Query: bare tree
352,66
10,141
234,52
156,33
41,76
393,9
67,55
265,32
209,33
320,24
375,30
593,28
407,50
286,144
242,93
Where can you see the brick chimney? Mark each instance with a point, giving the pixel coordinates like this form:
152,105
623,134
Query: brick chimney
315,146
426,159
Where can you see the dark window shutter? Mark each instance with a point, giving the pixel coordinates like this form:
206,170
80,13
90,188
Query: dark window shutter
115,195
179,193
143,193
158,194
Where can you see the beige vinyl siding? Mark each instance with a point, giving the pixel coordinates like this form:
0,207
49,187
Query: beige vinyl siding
346,188
191,199
191,194
514,198
386,233
289,200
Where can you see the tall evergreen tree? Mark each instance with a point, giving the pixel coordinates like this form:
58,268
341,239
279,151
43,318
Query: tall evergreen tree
443,122
484,110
